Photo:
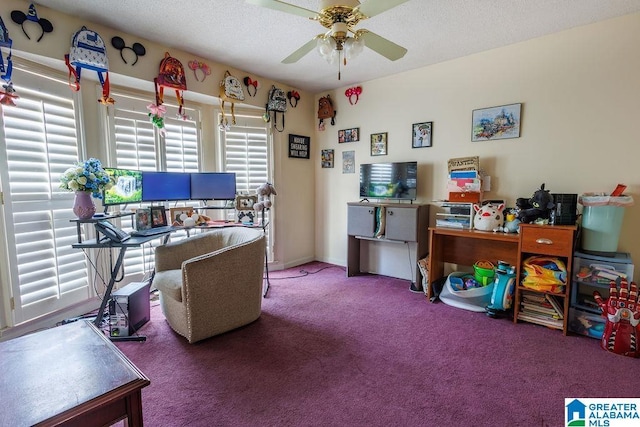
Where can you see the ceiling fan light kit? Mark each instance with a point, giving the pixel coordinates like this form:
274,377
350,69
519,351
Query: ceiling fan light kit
342,42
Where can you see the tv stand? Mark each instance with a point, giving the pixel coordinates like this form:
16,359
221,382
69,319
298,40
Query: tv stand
404,223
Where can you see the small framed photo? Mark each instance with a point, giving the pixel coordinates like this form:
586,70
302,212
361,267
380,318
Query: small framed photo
143,219
422,134
158,216
501,122
327,158
349,135
176,214
245,202
379,144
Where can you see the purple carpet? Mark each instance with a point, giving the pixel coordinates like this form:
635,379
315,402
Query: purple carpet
365,351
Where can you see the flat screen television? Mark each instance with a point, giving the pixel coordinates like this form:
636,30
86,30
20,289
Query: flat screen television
127,187
389,180
213,186
165,186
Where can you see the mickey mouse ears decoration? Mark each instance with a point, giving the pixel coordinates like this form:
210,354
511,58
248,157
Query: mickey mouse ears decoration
136,48
353,93
249,83
19,17
196,65
293,95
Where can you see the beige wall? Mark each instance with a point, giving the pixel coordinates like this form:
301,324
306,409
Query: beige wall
580,91
294,203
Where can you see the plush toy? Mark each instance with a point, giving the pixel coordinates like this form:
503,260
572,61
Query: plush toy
264,192
194,219
511,223
536,209
488,217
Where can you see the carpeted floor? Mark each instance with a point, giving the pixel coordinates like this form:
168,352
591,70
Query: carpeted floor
365,351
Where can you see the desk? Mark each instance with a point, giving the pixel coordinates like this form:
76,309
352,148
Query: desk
465,247
71,375
132,242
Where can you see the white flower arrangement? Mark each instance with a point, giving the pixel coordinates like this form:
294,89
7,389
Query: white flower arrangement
88,176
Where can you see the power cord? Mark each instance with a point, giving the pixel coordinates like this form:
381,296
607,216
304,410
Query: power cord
304,273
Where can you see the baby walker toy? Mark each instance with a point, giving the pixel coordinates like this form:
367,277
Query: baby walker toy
503,286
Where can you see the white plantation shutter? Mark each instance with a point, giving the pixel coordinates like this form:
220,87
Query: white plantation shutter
39,142
247,153
138,145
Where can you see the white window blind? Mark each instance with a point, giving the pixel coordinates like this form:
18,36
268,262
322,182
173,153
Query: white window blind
247,153
38,142
138,145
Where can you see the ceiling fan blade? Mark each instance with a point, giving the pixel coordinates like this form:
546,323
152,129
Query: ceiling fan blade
374,7
302,51
384,47
285,7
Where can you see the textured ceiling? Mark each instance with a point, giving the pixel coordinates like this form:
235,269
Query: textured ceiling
256,40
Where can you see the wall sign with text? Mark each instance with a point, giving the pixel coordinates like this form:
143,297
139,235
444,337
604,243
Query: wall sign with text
299,146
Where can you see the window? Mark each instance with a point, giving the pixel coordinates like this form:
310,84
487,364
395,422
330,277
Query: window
247,153
39,141
136,144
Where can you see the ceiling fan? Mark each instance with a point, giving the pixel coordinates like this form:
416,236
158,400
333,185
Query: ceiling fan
340,17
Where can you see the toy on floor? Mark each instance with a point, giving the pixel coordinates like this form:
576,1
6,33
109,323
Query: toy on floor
460,290
623,316
503,285
536,209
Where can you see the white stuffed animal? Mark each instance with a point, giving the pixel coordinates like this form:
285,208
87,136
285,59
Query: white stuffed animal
488,217
264,192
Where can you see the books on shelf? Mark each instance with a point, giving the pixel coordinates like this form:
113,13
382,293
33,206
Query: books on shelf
541,308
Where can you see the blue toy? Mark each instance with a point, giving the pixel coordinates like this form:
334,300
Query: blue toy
503,286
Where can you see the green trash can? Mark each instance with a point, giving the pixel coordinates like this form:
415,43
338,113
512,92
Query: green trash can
602,221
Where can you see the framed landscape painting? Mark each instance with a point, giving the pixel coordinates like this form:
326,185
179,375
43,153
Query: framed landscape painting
501,122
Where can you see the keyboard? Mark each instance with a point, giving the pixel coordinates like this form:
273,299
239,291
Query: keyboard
153,231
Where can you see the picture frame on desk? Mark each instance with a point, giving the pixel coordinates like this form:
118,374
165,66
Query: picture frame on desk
176,214
158,216
143,219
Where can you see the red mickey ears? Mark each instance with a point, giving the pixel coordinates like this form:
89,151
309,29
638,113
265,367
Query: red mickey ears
293,94
353,93
249,83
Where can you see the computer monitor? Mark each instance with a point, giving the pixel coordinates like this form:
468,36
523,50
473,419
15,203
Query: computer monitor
127,187
165,186
213,186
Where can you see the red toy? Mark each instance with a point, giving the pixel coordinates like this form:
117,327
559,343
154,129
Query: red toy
623,316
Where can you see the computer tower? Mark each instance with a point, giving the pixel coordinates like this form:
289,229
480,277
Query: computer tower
129,309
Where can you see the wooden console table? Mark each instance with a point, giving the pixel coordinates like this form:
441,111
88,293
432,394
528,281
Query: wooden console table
465,247
69,375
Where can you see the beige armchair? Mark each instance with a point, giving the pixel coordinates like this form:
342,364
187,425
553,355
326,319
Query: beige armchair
212,282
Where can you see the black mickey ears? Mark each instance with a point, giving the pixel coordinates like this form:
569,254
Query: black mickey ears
136,48
19,17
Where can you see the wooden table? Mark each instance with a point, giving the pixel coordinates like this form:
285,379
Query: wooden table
71,375
465,247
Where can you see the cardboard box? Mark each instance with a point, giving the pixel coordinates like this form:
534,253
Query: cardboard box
466,196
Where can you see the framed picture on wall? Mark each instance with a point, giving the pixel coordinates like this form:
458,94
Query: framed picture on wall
421,134
348,135
327,158
349,161
501,122
379,144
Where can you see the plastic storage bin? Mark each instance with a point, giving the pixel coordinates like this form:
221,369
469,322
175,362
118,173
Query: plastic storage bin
586,323
602,221
594,273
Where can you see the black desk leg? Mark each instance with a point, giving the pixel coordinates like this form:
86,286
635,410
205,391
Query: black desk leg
107,292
